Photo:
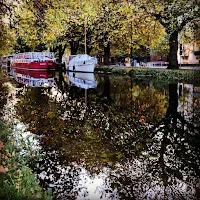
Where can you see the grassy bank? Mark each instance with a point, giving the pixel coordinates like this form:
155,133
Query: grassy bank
18,182
156,74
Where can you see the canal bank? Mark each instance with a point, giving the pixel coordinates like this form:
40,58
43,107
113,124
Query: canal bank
165,75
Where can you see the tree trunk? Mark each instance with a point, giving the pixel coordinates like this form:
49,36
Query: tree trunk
89,49
61,51
173,48
107,54
53,49
74,47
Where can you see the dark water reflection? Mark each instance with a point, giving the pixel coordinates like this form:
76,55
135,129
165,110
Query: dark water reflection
115,138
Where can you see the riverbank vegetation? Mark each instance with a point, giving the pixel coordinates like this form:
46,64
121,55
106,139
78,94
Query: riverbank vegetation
163,75
17,180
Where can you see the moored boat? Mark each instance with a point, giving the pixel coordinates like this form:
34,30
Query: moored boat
34,61
82,63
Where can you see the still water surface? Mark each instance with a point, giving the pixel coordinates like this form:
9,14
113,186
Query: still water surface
111,137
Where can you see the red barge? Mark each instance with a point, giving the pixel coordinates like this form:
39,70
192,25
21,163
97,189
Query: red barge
33,61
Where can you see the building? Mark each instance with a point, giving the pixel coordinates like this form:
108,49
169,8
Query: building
189,53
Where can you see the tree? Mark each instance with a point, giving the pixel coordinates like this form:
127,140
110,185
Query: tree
7,39
106,24
138,30
66,26
173,15
161,47
6,34
25,30
30,25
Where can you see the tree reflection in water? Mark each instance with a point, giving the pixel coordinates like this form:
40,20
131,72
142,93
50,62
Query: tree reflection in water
169,166
142,145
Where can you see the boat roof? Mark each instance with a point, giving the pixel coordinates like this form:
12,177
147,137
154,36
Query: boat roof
32,55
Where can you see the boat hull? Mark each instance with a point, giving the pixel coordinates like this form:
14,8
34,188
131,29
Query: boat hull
35,65
82,68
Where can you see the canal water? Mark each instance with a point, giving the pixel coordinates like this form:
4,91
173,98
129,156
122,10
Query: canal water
109,137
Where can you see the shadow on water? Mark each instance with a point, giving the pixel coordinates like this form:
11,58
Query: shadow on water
122,139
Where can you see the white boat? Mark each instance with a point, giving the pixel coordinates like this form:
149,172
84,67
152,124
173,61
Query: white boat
82,80
82,63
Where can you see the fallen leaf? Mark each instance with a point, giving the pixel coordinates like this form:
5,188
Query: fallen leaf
2,145
17,186
3,163
3,170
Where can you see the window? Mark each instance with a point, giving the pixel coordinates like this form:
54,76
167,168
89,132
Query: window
184,57
198,57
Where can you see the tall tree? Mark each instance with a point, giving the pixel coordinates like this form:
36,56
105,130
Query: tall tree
30,25
6,19
106,24
173,15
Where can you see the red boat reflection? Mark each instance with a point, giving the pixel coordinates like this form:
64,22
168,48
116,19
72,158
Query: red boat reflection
34,78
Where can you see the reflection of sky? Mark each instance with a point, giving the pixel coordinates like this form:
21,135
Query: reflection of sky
23,139
81,183
142,183
95,186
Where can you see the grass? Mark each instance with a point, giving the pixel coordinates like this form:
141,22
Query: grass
164,75
18,182
167,75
